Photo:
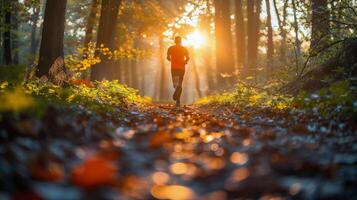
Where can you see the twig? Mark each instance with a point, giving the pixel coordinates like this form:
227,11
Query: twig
315,53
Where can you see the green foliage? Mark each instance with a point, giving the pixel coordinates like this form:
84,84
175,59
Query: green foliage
102,96
337,101
12,74
34,96
245,96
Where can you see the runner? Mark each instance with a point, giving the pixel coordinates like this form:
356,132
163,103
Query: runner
178,56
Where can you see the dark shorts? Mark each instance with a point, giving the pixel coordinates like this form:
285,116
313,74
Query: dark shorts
179,73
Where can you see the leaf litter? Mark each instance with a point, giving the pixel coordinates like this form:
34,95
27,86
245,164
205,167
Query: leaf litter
163,152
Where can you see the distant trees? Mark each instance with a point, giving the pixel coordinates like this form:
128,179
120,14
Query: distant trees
52,35
106,36
34,20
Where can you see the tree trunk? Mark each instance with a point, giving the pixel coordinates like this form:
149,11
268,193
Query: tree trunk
297,41
7,33
142,68
134,73
52,35
320,24
282,24
240,34
270,50
254,9
15,39
91,22
251,34
224,47
106,36
210,72
218,35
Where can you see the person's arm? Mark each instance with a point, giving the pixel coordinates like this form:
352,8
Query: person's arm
168,57
187,56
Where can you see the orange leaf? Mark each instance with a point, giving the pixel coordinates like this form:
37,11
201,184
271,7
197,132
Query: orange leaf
159,139
46,172
93,172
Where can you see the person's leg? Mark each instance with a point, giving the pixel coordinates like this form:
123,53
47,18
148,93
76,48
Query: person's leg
175,82
178,90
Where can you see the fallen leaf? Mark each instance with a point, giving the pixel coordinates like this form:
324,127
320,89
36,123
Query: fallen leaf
160,139
46,171
94,171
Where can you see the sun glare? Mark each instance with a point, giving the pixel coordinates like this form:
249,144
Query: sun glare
195,40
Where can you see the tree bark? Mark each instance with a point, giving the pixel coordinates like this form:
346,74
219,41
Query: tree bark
240,34
251,34
91,22
297,41
224,46
52,35
106,36
134,73
320,24
15,39
7,33
210,72
270,50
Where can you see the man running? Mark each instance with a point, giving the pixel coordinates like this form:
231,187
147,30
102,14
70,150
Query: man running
179,57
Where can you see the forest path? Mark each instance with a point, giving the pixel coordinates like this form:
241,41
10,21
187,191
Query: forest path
218,153
162,152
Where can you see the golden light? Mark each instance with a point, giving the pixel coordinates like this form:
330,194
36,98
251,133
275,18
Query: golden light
178,168
195,40
239,158
160,178
239,174
172,192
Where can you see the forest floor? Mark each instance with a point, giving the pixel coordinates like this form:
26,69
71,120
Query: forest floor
164,152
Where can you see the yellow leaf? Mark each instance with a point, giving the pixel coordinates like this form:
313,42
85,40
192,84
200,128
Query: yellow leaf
15,100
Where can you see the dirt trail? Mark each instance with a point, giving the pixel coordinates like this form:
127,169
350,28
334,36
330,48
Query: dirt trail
223,154
196,153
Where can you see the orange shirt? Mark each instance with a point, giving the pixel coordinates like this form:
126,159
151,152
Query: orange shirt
178,55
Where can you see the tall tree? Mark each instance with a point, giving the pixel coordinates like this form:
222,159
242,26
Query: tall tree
320,23
7,32
15,39
282,24
240,34
224,47
297,40
52,35
270,46
207,56
106,36
253,9
91,22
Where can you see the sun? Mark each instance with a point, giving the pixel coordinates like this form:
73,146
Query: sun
195,40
